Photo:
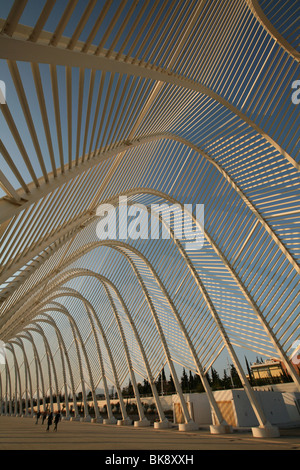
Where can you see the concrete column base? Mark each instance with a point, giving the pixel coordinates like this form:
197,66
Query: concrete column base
97,420
190,426
86,419
142,423
124,422
266,431
66,418
109,421
75,418
165,424
220,429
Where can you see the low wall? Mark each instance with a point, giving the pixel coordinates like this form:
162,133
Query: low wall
279,408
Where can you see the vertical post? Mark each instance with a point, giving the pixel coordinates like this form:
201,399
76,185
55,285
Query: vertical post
143,419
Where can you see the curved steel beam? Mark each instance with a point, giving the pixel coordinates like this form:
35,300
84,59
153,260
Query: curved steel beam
50,379
267,25
64,351
105,281
7,210
124,413
211,399
256,406
150,304
20,50
111,418
245,199
109,411
27,376
102,370
38,366
68,231
233,273
168,356
49,353
173,372
17,381
126,349
8,390
123,338
236,278
149,373
76,334
38,329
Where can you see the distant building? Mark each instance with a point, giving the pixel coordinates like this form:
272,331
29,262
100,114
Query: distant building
269,369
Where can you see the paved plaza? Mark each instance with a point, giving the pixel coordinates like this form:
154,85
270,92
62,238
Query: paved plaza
24,434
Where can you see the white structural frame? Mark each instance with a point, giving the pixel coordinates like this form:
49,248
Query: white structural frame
143,105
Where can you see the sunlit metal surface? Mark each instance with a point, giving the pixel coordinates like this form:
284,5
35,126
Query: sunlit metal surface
174,102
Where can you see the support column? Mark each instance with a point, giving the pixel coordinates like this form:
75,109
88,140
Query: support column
51,322
86,413
163,423
143,420
17,380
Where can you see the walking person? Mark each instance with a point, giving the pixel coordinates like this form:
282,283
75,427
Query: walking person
49,421
57,418
44,416
37,417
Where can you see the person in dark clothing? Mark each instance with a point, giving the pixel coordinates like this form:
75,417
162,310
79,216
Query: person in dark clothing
37,417
57,418
44,416
49,421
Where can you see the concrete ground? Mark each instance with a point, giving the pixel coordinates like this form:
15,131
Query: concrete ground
24,434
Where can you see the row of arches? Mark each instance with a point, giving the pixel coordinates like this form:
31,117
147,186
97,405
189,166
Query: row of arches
181,113
49,304
247,293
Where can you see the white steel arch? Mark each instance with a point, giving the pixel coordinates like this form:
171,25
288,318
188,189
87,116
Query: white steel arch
136,101
236,277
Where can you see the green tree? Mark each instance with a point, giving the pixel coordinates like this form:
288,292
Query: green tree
251,379
226,381
191,381
161,382
152,408
198,385
145,388
171,385
184,381
235,377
